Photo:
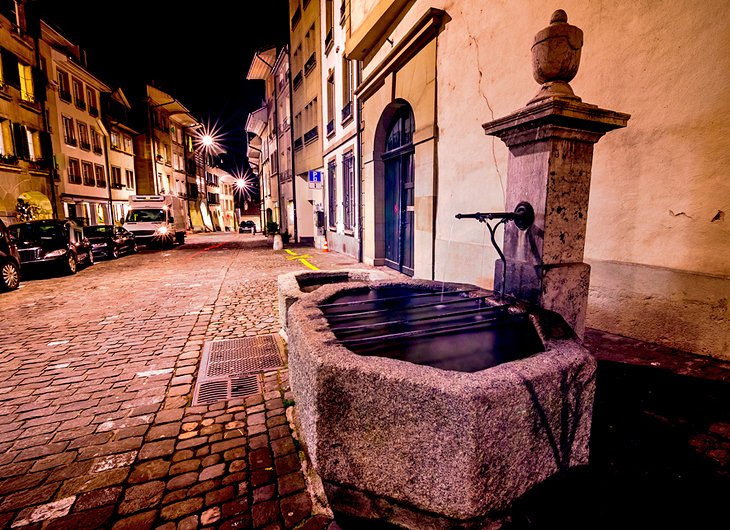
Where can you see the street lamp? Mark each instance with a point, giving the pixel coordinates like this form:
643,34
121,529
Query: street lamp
208,143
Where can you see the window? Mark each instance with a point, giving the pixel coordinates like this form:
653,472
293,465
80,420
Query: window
78,89
84,137
88,173
96,141
332,192
25,73
64,88
330,21
130,179
100,176
331,104
69,131
11,74
348,190
74,171
115,140
127,144
7,151
116,177
91,99
346,89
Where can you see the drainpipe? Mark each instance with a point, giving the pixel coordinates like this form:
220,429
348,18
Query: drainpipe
358,159
108,174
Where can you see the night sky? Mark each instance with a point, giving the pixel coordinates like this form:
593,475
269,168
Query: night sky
198,52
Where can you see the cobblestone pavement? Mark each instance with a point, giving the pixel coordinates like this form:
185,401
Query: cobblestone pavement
96,388
98,431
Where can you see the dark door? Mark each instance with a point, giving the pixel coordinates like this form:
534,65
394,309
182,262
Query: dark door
399,193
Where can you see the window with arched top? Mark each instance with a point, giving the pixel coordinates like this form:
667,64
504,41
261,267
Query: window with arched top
400,133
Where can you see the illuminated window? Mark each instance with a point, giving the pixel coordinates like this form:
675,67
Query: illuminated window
127,144
78,89
74,171
26,83
88,173
6,139
100,176
84,137
115,140
64,90
116,177
96,141
130,179
69,131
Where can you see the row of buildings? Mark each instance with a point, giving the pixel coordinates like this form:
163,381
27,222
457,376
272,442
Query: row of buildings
71,146
371,137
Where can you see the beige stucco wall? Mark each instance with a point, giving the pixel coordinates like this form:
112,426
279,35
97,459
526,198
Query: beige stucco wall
660,194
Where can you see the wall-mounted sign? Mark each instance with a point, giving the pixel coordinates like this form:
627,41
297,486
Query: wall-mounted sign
315,179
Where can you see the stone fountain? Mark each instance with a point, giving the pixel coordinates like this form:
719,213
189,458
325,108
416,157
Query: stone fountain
420,404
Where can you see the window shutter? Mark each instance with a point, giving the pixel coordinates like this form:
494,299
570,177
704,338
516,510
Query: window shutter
21,141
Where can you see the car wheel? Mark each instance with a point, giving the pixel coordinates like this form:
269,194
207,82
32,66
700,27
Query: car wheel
71,264
114,253
9,276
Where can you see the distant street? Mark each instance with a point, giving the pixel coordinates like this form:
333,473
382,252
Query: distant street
96,383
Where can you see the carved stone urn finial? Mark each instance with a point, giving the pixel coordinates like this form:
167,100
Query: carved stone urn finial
556,57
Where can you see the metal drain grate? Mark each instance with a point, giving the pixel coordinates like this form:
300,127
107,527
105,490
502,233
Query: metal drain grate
231,368
208,392
235,356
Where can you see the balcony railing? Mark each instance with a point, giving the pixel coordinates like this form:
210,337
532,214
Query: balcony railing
85,146
297,81
9,160
89,182
74,179
93,111
71,141
285,176
311,135
298,144
347,111
38,164
97,149
117,186
81,104
311,63
101,183
330,127
65,95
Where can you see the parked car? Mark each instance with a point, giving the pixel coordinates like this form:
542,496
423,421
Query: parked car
247,227
9,261
51,242
110,241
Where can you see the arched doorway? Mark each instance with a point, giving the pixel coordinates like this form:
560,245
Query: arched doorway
398,172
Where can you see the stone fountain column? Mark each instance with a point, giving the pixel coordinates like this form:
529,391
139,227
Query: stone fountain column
550,156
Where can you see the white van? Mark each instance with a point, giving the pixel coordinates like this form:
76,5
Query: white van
156,219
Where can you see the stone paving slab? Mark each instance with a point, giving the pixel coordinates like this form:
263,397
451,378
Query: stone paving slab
96,386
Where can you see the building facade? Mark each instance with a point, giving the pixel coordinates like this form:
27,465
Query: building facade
26,186
340,142
306,97
79,136
120,152
434,72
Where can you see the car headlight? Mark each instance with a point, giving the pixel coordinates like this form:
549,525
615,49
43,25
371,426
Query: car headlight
162,230
56,253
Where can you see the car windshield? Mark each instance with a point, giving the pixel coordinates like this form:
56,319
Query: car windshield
97,231
145,215
34,231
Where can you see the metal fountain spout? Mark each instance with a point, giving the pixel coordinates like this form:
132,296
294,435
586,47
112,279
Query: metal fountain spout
523,216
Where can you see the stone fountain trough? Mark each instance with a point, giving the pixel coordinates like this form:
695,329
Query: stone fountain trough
426,447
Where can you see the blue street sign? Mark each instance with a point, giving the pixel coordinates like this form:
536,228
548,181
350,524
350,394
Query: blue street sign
315,176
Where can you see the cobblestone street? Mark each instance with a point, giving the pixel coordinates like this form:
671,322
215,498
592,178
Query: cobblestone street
96,389
99,428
